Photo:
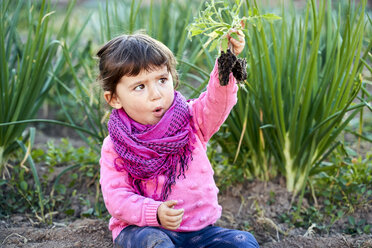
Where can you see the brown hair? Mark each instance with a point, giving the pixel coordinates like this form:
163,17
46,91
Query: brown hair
128,55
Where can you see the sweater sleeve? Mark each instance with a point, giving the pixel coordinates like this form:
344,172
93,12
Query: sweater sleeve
119,196
213,106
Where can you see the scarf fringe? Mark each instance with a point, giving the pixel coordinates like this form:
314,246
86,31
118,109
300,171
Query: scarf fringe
181,160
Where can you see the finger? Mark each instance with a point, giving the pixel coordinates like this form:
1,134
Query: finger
232,30
175,212
173,223
173,219
170,203
237,31
172,227
236,43
241,34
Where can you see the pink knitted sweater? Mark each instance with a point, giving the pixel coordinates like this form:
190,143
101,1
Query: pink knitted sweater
196,194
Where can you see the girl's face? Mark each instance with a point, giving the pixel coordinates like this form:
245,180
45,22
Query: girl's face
145,97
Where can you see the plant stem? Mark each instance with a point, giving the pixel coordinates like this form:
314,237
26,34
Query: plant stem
290,173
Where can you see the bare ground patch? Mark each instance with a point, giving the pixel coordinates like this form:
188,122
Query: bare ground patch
254,206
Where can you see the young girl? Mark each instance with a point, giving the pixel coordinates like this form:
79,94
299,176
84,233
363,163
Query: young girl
156,180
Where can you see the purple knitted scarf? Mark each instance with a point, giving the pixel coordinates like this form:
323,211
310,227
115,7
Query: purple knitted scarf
147,151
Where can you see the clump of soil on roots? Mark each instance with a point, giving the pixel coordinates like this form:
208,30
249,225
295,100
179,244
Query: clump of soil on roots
228,62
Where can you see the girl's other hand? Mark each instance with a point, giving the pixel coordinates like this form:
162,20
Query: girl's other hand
237,45
169,217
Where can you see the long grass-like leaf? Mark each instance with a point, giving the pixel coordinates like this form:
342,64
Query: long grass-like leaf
52,122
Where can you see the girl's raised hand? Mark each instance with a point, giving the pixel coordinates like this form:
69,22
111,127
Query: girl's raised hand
169,217
237,45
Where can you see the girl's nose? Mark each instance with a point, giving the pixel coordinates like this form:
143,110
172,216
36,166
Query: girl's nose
155,93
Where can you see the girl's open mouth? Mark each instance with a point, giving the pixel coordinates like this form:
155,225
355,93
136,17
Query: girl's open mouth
158,112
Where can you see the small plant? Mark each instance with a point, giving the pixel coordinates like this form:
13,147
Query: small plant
358,228
218,21
344,186
344,182
63,170
271,200
302,217
219,18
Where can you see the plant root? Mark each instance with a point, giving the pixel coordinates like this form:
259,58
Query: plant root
24,239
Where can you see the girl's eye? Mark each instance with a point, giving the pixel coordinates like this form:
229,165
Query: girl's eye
163,80
139,87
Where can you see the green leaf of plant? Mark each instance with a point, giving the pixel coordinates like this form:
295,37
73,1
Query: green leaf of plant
213,45
361,222
213,34
351,220
250,12
61,189
23,185
196,32
235,36
88,212
70,212
271,17
367,229
340,213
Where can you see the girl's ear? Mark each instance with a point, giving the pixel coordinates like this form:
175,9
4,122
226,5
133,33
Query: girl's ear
112,100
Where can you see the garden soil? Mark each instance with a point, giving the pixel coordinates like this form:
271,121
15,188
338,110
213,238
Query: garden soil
255,206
